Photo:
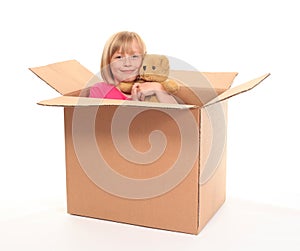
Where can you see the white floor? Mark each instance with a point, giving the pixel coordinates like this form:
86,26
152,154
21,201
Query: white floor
238,225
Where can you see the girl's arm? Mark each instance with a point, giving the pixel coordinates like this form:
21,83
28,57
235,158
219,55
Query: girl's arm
164,97
141,90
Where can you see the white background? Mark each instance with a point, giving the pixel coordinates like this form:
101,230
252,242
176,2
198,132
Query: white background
250,37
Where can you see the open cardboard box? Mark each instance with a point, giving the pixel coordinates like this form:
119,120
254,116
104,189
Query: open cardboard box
149,164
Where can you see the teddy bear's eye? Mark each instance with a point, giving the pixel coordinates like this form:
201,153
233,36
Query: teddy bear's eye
153,67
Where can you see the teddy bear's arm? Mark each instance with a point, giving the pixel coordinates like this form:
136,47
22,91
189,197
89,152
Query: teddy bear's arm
171,86
126,87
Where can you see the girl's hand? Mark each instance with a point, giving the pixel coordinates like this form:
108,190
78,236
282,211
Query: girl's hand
134,91
148,89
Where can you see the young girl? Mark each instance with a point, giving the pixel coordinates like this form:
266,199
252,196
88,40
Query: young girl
121,60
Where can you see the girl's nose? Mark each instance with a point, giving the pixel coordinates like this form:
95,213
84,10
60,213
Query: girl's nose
126,60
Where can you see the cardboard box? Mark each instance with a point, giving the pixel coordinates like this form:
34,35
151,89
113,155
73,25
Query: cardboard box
149,164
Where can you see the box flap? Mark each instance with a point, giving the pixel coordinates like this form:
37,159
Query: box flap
215,80
198,88
65,77
238,89
66,101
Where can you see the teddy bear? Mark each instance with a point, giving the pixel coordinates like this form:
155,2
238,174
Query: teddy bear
154,68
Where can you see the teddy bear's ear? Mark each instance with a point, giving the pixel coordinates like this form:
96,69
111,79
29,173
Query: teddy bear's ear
164,65
164,62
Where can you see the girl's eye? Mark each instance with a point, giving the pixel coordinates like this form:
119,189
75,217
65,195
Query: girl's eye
135,57
118,57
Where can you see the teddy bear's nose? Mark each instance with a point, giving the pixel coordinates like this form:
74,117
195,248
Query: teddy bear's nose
144,67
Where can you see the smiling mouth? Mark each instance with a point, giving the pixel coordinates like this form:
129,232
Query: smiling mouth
127,71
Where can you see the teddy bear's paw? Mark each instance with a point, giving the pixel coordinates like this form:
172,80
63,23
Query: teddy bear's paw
171,86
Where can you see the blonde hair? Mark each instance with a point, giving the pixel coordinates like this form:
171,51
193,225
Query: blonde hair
121,40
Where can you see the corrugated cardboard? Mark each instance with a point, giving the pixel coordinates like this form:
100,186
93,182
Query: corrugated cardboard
120,168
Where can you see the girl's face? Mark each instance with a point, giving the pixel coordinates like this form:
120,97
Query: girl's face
125,65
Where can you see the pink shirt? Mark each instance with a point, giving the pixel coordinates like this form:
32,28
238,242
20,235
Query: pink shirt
104,90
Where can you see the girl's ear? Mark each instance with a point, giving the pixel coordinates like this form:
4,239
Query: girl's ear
143,56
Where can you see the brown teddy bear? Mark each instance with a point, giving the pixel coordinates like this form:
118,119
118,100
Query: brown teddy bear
154,68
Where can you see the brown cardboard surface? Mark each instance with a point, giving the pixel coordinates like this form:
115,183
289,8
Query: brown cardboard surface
238,89
217,80
65,76
66,101
212,177
198,88
175,210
